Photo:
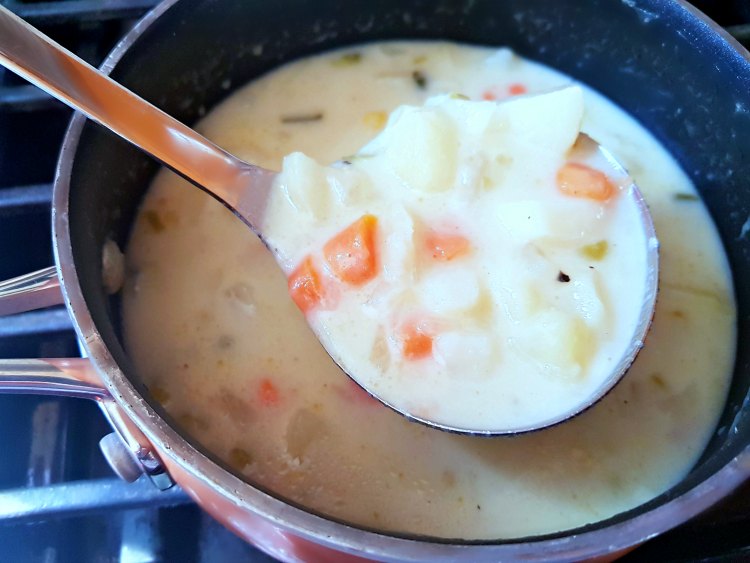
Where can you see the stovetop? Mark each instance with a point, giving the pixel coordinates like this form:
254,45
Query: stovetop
59,501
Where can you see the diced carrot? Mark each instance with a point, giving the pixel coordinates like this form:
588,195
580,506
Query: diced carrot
352,254
417,342
579,180
268,393
517,89
305,286
445,247
489,95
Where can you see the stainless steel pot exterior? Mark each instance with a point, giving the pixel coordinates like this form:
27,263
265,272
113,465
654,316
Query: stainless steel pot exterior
287,531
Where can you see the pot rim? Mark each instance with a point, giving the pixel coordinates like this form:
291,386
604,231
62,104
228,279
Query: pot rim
569,544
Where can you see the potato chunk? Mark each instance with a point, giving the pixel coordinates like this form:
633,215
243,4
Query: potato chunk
563,344
422,149
306,186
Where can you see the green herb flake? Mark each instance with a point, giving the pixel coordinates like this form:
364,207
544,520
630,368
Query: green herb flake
352,158
349,59
159,394
239,458
596,251
458,96
302,118
680,196
658,380
419,79
154,221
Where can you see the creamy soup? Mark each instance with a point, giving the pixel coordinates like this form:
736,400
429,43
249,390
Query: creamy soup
217,339
466,265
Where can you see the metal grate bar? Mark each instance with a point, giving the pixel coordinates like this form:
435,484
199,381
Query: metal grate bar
35,195
80,10
741,33
26,98
35,322
18,506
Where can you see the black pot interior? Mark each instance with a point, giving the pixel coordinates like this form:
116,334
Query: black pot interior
663,65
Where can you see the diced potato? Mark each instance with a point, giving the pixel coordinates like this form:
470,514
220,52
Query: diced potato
397,250
498,169
233,407
380,355
501,60
544,124
525,220
304,428
449,290
305,185
471,117
241,297
530,299
464,352
113,267
422,150
587,300
562,343
530,220
349,186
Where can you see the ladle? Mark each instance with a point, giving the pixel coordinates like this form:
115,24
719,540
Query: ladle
240,186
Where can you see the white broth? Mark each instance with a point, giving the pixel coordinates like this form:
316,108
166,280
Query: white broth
217,339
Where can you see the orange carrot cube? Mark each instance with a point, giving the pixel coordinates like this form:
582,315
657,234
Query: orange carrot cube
517,89
305,286
352,254
417,342
445,247
579,180
268,393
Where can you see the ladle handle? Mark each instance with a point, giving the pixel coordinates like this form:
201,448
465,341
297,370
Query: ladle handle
35,57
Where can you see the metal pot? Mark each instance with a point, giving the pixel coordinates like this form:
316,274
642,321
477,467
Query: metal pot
665,63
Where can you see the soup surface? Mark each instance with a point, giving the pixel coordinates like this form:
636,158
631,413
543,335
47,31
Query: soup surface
216,337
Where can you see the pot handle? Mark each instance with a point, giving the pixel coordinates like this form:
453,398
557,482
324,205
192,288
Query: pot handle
63,377
31,291
128,451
